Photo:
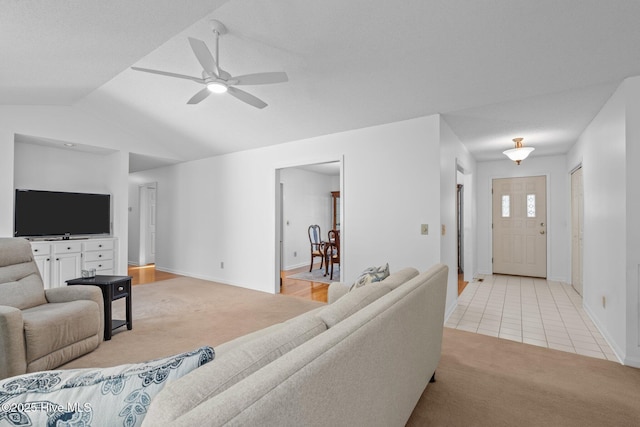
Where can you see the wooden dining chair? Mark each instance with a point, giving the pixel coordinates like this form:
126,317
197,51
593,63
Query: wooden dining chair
332,251
317,245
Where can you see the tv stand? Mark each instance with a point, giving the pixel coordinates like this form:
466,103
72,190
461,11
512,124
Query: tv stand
64,259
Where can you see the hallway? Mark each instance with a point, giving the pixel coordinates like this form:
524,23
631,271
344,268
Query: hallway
529,310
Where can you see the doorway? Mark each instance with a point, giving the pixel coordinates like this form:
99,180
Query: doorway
148,209
305,195
520,226
577,227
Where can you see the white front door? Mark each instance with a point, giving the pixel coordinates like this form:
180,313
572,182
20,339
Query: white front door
520,226
577,222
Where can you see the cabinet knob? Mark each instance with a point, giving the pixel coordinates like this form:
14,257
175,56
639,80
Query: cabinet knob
99,246
68,248
121,288
100,256
35,250
99,265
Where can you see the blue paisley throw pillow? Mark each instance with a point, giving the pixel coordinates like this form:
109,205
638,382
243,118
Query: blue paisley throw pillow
117,396
370,275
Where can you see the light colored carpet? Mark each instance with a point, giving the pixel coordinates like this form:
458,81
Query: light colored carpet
487,381
317,275
481,380
176,315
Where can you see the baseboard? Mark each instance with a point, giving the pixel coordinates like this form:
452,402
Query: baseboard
450,311
616,350
293,267
209,278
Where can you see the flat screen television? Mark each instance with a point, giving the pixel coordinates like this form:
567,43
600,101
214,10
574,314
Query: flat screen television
61,214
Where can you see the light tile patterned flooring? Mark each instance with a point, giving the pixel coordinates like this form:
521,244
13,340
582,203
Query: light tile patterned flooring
529,310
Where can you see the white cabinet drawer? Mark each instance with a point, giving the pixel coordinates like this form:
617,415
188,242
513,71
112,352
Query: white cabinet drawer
98,255
65,248
98,245
40,248
99,265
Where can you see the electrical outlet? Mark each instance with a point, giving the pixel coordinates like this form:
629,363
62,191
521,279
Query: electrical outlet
424,229
221,264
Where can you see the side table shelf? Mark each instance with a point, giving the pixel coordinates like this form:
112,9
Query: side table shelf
113,288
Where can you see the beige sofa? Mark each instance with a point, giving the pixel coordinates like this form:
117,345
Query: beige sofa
364,359
42,329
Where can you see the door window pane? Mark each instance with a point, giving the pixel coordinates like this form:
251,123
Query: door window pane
531,205
506,206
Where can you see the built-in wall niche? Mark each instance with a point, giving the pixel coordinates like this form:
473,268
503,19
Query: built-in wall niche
43,165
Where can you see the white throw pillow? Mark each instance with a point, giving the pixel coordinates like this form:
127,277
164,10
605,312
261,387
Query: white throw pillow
93,397
370,275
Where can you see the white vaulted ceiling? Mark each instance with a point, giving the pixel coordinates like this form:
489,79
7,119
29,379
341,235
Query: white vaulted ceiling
496,70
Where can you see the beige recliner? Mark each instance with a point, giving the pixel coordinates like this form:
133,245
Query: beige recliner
42,329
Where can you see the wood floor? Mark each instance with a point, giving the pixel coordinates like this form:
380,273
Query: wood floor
147,274
461,283
303,288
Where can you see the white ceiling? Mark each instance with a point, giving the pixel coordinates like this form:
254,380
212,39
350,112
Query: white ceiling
496,70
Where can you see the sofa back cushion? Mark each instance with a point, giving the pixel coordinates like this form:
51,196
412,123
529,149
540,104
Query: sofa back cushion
20,282
352,302
230,367
399,277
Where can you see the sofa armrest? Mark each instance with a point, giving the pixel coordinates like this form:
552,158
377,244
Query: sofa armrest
337,290
75,293
12,350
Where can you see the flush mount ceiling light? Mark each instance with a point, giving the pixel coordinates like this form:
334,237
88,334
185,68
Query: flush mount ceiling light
217,87
519,153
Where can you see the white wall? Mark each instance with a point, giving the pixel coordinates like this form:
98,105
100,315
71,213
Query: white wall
609,155
307,200
56,169
455,156
558,209
632,127
224,208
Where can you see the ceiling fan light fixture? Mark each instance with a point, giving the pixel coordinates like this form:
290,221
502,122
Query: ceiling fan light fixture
519,153
217,87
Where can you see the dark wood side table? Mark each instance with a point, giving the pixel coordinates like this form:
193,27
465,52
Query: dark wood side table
113,288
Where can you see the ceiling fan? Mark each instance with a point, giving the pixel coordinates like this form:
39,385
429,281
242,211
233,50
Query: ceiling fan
217,80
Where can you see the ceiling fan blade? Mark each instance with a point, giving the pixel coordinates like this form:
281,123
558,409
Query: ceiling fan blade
168,74
199,96
262,78
204,56
246,97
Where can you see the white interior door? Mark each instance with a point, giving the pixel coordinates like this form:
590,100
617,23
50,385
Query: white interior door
151,225
577,226
148,209
520,226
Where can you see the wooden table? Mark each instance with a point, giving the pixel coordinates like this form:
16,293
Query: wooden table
113,288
